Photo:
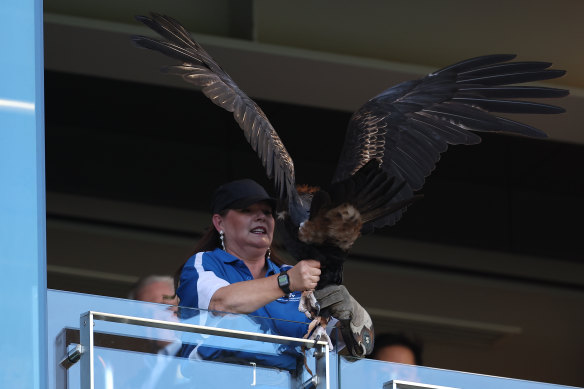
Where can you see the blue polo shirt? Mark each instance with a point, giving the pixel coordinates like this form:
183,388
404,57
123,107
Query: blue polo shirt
205,272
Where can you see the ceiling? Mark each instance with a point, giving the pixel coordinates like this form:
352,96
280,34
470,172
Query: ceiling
331,54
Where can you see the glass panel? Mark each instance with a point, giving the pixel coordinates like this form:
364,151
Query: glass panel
116,368
368,373
130,354
126,369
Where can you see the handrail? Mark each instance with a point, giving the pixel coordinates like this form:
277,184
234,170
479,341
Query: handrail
87,342
400,384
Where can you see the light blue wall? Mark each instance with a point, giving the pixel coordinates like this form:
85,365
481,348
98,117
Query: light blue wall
22,197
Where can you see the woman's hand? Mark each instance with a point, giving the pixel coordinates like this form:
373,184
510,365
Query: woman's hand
304,275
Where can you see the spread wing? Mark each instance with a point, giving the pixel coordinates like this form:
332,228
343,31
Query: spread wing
199,68
408,126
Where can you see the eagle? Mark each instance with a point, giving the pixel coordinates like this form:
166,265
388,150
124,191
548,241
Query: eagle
392,142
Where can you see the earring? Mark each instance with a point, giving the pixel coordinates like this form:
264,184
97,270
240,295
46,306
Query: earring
222,237
268,253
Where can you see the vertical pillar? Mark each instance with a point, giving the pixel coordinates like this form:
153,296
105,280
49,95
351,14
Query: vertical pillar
23,343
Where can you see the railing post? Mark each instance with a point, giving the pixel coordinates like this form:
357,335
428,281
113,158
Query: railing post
86,338
321,355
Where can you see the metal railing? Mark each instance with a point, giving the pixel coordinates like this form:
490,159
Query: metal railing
320,379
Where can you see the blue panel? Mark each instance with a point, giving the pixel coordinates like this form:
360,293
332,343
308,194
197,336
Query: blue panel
23,345
369,373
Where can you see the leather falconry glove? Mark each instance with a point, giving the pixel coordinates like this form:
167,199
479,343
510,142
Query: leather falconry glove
356,324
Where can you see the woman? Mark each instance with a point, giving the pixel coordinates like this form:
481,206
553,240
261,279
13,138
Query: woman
232,270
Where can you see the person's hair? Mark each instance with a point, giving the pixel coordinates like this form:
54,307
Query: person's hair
147,280
398,339
209,242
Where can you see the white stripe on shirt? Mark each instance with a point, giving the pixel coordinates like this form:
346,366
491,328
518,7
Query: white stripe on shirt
208,282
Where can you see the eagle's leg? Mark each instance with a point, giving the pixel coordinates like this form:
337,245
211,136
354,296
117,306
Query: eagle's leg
317,330
311,308
308,304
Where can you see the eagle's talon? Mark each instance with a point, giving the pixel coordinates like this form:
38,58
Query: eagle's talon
309,305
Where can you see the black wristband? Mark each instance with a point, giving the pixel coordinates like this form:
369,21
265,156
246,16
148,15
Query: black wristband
284,282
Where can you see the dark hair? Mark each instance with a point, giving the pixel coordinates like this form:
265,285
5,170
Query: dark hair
398,339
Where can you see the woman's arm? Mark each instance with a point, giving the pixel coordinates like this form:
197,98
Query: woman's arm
249,296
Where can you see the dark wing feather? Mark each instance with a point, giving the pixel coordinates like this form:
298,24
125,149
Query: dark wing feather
199,68
511,92
408,126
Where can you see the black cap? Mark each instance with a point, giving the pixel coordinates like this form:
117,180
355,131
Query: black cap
240,194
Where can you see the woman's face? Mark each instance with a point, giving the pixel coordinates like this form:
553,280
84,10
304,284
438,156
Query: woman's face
248,229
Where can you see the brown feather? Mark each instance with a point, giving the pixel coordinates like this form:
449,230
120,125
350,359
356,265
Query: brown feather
339,226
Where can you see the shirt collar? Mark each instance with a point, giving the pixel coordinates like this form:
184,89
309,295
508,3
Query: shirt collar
272,268
225,257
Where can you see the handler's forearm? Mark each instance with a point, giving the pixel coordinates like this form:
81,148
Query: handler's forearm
246,296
